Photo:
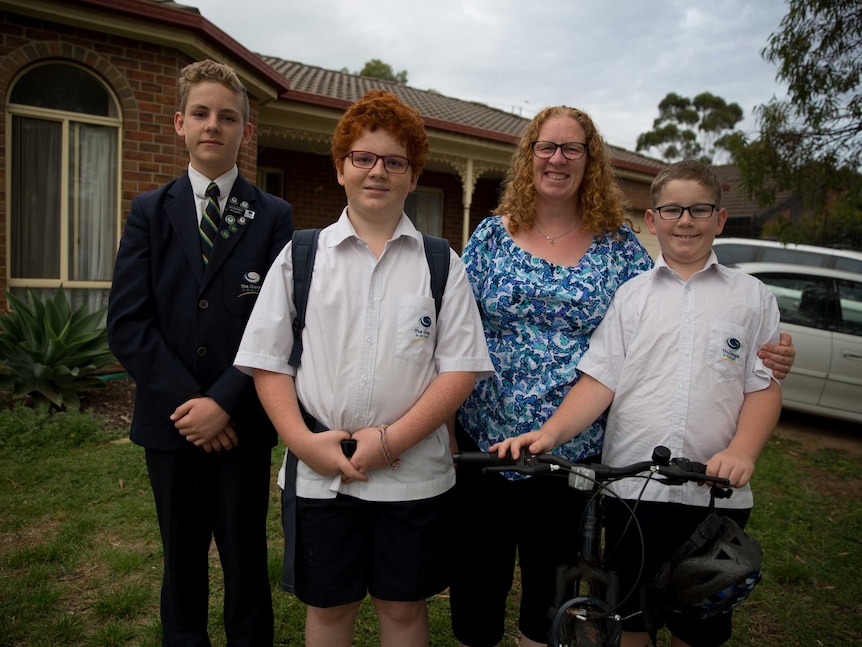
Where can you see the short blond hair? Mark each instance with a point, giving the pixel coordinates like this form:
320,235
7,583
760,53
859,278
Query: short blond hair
209,70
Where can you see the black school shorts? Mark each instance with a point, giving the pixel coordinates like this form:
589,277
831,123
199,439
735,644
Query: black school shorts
348,548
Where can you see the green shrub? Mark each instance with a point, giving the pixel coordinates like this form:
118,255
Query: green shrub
49,353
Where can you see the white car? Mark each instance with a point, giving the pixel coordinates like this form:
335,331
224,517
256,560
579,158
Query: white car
822,309
731,251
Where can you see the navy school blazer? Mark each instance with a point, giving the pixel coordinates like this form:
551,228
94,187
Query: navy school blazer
175,325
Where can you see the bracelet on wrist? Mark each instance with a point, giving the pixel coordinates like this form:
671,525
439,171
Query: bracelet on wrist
384,447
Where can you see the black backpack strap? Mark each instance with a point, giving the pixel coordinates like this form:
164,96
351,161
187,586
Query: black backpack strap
437,253
303,248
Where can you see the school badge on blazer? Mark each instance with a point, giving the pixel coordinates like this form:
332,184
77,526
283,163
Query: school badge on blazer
250,284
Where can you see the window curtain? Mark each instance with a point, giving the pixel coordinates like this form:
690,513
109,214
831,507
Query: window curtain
92,212
425,210
35,199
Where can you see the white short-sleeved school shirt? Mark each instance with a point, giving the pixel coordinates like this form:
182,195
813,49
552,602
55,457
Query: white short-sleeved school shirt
371,346
679,356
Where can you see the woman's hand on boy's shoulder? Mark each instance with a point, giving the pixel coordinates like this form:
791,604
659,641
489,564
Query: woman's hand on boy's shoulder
779,357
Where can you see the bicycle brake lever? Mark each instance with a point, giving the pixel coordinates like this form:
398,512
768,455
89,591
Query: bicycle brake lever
524,464
686,465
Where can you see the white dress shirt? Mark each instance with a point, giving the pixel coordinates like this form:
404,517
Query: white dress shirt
371,346
200,183
680,355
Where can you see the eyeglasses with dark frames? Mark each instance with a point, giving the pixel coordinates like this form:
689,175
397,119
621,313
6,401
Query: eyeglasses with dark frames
571,150
700,211
365,160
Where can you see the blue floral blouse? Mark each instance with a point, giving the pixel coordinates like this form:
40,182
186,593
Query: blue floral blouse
538,318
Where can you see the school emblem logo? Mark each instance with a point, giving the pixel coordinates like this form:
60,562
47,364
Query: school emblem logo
731,351
250,285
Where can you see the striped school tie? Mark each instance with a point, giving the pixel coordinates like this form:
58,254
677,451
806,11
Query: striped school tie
210,222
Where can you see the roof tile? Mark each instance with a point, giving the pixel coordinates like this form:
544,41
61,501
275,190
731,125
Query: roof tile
350,87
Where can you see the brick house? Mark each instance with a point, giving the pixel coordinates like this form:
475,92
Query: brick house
88,91
746,218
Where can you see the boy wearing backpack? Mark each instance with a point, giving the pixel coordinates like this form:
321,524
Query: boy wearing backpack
378,367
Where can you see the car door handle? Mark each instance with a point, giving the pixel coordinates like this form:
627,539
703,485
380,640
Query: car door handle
850,355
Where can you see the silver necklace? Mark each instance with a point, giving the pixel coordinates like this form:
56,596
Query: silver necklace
553,239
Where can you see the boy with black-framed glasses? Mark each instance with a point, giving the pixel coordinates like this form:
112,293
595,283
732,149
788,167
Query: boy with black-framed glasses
676,359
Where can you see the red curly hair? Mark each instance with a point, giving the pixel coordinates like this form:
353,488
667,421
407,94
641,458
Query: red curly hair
602,206
382,109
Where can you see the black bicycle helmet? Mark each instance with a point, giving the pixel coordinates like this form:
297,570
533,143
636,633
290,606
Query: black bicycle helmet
716,570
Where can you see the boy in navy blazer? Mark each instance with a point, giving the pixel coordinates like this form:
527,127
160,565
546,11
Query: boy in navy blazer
180,299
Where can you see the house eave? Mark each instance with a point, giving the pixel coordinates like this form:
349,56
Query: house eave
182,28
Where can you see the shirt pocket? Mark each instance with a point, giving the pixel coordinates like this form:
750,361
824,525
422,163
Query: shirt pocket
728,348
416,329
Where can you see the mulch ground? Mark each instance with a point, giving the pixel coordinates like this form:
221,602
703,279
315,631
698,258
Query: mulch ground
115,401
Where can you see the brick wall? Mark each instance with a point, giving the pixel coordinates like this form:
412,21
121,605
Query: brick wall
311,188
637,194
142,76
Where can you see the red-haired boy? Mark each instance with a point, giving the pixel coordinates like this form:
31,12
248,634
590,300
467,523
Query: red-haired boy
378,366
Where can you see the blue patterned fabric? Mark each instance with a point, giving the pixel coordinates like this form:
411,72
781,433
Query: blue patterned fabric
538,318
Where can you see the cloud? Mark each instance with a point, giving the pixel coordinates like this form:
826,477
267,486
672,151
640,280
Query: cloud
616,60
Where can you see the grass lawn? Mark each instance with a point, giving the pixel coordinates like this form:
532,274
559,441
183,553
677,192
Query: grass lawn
80,558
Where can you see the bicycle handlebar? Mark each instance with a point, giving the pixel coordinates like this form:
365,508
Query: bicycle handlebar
583,476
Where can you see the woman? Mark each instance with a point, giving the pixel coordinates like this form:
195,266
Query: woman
543,273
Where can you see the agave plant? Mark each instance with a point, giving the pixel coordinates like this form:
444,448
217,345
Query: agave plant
48,352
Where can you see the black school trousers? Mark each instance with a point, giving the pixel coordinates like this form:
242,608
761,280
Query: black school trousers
222,495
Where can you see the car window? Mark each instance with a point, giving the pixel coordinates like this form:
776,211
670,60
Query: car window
850,298
848,264
803,300
785,255
730,254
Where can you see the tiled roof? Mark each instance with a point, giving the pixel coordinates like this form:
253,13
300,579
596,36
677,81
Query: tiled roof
349,87
177,5
346,87
735,198
636,160
468,117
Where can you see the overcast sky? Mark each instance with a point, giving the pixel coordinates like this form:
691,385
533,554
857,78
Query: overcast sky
616,59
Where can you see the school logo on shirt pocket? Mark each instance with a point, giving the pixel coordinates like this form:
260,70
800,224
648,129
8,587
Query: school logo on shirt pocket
727,348
423,331
730,352
415,328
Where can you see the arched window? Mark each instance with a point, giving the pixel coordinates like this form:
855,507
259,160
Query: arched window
64,189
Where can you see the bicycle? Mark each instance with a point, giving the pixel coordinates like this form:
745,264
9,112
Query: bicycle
591,619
